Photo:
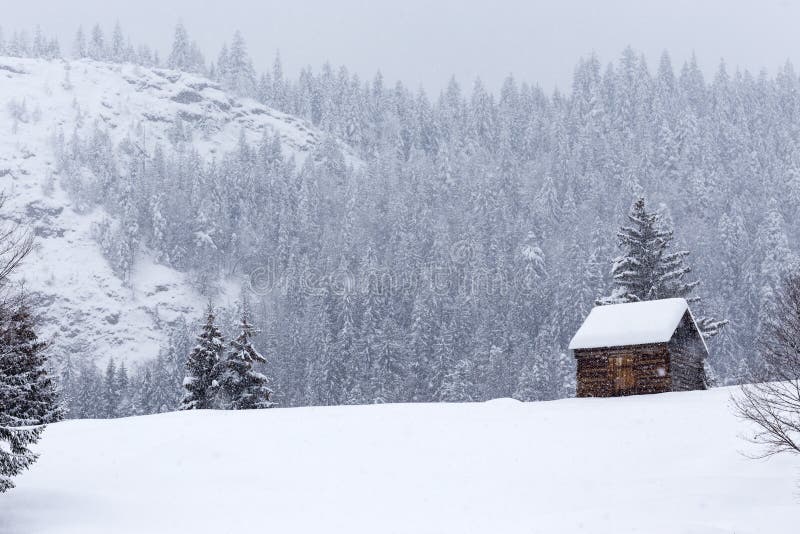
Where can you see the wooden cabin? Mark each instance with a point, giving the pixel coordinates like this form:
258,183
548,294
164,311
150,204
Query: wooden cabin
639,348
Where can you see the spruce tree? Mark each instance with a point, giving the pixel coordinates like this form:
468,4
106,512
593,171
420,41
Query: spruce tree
15,456
97,47
24,360
241,387
180,56
111,393
117,51
459,385
529,385
126,404
646,270
144,403
23,405
240,77
201,367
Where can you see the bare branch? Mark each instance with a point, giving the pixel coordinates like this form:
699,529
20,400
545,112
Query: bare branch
772,404
15,245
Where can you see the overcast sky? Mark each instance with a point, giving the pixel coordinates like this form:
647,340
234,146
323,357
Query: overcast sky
426,41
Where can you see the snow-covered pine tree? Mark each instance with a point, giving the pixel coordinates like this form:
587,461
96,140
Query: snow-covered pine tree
443,360
197,62
349,389
459,384
648,270
66,381
111,393
15,456
221,70
201,367
79,45
166,390
238,74
418,345
126,404
117,51
180,57
240,386
279,92
127,239
390,365
530,382
96,48
20,363
86,393
145,393
39,46
24,360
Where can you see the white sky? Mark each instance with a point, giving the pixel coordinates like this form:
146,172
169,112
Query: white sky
425,41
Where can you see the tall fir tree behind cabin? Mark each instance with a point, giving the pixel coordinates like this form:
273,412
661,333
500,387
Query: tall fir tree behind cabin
648,269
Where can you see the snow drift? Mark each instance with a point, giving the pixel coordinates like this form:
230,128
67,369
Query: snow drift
667,463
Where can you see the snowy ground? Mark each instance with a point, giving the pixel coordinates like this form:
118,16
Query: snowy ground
657,464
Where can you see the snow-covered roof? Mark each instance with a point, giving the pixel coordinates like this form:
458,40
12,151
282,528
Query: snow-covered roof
633,323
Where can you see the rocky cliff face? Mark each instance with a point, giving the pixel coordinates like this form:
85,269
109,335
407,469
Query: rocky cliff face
85,308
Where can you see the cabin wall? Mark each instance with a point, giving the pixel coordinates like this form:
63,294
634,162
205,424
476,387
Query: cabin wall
618,371
653,371
687,353
592,375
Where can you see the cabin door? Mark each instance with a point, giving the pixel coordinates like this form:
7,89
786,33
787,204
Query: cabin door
622,377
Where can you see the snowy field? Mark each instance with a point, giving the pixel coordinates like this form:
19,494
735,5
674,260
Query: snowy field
657,464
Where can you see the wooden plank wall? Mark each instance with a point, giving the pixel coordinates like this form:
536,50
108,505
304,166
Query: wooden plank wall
687,354
651,368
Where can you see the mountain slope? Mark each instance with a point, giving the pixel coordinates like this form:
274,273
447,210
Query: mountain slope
86,308
653,464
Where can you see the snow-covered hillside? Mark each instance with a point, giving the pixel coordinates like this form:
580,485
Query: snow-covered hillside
660,464
87,309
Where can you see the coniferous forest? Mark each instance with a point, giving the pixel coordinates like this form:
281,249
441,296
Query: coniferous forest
440,247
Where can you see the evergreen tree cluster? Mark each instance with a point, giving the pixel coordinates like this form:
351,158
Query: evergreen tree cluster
219,379
96,44
457,258
29,44
92,392
201,373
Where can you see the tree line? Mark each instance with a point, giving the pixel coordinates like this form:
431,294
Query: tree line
492,217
